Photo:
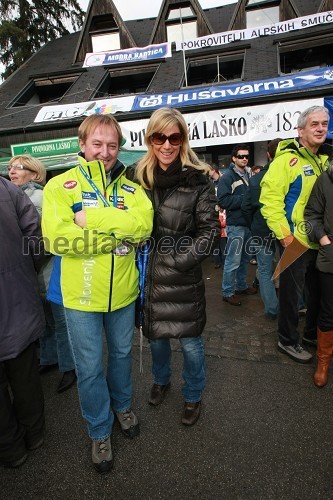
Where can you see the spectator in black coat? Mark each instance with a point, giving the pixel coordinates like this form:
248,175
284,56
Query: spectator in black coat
319,215
22,322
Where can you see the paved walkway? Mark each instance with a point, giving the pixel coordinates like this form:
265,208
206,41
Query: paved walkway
239,332
265,432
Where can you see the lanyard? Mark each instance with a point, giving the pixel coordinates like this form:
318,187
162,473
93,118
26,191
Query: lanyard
142,258
95,188
97,191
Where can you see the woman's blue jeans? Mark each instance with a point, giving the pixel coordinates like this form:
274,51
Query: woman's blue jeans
194,369
98,392
54,344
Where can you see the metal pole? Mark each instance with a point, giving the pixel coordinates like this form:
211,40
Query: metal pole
184,59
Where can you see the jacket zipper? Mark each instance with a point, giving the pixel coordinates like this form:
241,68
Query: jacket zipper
151,261
111,281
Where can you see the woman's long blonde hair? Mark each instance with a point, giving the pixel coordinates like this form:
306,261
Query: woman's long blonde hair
160,120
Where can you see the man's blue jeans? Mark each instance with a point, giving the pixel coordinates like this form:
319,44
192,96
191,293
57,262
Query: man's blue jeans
194,368
265,257
54,344
237,260
99,393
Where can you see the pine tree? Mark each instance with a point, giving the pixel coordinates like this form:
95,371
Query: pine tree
26,25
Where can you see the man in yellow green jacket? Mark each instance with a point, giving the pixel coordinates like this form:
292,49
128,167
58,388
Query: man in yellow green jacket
285,190
93,219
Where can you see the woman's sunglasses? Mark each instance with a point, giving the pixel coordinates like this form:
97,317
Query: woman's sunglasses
158,138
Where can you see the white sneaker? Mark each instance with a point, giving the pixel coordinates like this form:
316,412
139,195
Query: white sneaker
296,352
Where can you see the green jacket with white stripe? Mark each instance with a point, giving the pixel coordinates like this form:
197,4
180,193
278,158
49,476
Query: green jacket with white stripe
98,271
286,187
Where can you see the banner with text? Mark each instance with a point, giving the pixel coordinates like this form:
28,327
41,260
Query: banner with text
53,147
135,54
231,126
216,39
75,110
244,90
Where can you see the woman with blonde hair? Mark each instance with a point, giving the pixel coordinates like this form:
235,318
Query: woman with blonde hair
185,229
29,174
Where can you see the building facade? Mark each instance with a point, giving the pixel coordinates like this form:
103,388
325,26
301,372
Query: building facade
239,73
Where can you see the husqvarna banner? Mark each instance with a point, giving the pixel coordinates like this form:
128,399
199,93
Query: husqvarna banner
226,37
286,84
135,54
231,126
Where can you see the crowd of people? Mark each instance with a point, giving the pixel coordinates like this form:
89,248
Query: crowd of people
100,244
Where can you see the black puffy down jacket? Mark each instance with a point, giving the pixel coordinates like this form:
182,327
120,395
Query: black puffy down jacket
186,226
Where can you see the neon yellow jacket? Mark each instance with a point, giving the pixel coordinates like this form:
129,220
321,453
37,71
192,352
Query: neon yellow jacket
98,273
286,187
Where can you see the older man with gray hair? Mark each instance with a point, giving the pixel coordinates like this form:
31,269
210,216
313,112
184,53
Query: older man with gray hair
285,191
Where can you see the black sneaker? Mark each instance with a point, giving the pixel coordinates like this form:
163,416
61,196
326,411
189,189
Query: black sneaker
296,352
101,455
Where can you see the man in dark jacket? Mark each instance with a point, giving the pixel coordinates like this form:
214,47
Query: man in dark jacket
232,187
263,236
22,322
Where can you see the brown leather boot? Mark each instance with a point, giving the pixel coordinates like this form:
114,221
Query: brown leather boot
324,354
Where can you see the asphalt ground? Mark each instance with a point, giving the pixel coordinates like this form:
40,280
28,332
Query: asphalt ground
265,431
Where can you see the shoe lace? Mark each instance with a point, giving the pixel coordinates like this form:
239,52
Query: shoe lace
298,348
126,415
103,446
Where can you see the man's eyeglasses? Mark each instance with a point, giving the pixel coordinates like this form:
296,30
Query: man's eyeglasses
17,167
243,157
158,138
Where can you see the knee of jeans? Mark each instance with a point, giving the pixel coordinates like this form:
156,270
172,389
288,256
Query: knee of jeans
192,344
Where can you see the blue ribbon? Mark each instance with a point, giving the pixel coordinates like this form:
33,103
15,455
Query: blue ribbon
142,259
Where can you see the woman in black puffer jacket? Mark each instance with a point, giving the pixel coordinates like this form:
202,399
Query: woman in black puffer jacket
319,216
185,228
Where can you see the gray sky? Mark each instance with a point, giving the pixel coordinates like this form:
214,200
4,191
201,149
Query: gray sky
134,9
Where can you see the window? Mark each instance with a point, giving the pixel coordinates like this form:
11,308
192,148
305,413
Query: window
104,34
303,54
44,89
127,81
103,43
181,23
261,13
215,69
